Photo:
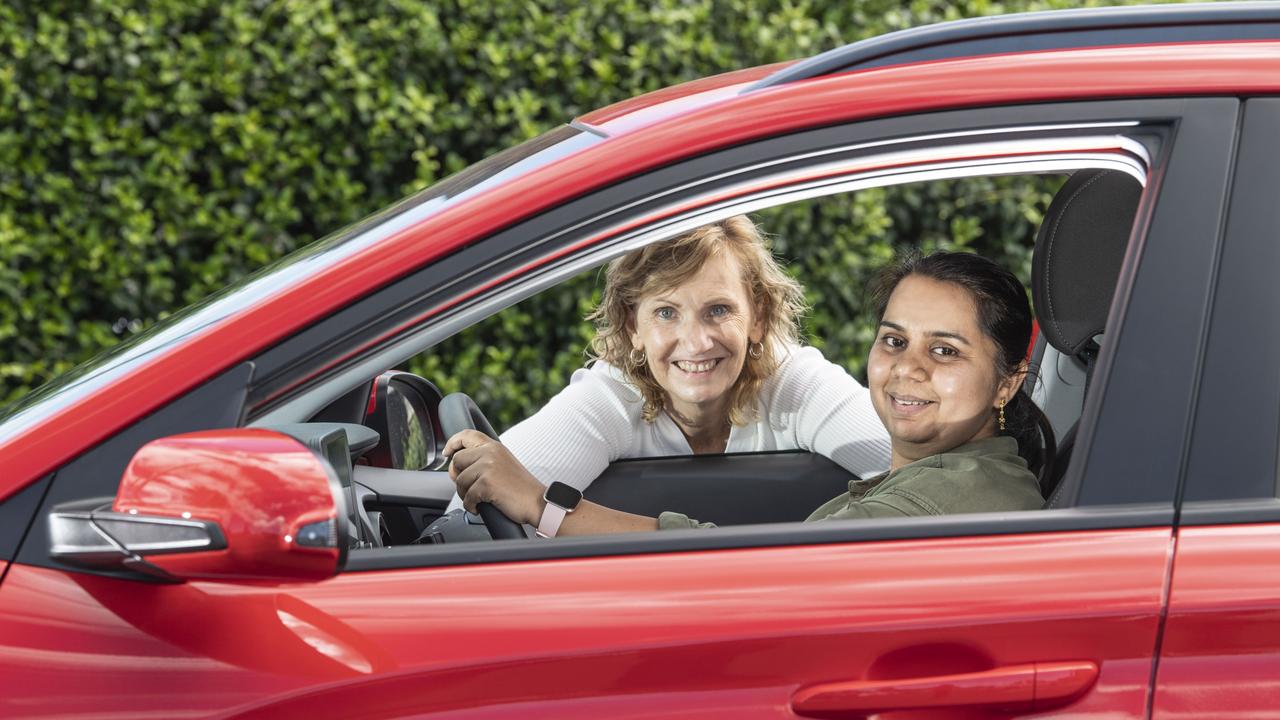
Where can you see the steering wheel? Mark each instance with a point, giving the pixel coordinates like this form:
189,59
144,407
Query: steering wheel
459,412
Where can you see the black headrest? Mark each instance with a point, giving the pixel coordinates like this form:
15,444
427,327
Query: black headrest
1078,253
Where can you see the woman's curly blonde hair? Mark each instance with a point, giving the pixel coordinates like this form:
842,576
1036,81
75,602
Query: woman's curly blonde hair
778,303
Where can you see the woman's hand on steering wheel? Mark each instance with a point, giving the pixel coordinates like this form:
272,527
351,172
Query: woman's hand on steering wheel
485,471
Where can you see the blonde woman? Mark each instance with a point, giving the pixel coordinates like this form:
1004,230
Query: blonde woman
697,352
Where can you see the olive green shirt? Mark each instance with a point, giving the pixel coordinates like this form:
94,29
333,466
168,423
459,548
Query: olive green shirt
981,476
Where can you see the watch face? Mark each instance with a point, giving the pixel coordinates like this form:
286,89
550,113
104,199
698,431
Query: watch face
563,495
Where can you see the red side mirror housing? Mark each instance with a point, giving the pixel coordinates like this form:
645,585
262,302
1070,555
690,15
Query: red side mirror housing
239,504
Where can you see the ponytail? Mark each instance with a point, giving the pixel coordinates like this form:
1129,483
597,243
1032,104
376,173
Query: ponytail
1027,423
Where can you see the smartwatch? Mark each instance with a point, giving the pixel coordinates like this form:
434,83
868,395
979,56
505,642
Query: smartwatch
561,500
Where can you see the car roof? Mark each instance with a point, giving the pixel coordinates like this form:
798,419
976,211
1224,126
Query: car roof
973,37
1048,30
638,136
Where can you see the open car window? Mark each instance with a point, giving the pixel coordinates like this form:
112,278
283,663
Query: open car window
515,361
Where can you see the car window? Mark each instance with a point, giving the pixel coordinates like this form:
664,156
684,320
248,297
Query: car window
514,361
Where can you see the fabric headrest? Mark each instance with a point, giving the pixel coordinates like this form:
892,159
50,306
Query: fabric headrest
1077,256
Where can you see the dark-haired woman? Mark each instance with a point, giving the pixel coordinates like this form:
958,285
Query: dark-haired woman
946,378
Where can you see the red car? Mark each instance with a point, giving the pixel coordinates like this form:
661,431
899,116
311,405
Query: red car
223,518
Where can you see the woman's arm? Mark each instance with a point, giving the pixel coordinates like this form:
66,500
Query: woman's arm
586,426
574,437
486,471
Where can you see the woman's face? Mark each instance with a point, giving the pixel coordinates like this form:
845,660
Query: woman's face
695,336
932,372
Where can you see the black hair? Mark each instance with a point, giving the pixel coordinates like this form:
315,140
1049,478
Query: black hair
1004,314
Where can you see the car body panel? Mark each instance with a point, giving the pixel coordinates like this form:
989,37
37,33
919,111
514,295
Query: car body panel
676,100
739,628
1145,71
1220,654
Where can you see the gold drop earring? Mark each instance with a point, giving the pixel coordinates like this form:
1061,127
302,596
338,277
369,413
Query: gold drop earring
1001,418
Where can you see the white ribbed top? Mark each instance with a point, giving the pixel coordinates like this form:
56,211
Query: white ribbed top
808,404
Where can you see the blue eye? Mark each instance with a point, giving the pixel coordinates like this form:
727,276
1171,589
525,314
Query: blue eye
719,310
664,313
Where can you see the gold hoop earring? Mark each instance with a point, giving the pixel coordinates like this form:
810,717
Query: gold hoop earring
1001,418
755,350
638,360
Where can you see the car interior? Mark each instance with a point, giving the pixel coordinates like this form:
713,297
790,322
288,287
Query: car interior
398,422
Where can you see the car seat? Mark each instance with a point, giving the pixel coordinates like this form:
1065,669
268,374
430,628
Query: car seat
1074,269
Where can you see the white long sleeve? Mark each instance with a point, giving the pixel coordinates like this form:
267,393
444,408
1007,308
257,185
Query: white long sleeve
817,406
809,404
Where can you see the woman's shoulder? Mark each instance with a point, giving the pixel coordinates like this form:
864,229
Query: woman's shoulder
598,392
804,376
985,475
597,406
799,366
599,376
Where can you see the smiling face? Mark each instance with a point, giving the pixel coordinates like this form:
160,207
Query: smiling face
932,372
695,337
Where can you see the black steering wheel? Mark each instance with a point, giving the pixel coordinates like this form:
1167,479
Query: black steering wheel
459,412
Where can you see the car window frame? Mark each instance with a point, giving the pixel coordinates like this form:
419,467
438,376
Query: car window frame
1233,466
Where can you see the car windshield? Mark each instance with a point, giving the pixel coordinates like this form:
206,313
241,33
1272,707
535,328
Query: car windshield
285,272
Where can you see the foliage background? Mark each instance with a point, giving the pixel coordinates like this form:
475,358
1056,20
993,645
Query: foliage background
153,152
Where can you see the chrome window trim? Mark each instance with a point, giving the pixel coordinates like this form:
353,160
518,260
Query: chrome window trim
1018,156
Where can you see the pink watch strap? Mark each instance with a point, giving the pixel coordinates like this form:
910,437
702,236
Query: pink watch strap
552,516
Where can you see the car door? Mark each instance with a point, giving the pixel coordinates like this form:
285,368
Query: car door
1220,654
1023,612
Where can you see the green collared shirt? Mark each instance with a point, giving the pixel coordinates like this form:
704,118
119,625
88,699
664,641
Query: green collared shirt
981,476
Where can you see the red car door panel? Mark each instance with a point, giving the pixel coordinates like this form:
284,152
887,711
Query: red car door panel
1220,656
696,634
1220,653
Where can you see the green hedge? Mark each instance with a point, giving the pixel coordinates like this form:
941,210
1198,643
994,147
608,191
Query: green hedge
152,152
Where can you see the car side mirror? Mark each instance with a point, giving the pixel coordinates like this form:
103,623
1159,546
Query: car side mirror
404,409
238,504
